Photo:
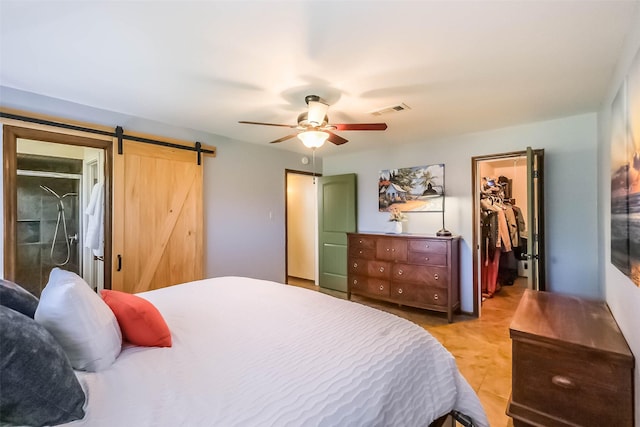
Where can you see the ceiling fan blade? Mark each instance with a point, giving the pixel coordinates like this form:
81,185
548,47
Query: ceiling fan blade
360,126
336,139
267,124
284,138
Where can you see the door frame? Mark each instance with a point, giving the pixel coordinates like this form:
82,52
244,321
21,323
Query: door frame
10,135
286,222
475,197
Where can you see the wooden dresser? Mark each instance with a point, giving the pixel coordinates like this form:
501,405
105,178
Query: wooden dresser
412,270
571,364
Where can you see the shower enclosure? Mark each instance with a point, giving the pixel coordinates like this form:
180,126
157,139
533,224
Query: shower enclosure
49,218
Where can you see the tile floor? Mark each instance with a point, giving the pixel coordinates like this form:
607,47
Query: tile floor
481,346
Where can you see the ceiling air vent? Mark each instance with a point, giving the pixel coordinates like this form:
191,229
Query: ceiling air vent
391,109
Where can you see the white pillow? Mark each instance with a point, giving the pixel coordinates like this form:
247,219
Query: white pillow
80,321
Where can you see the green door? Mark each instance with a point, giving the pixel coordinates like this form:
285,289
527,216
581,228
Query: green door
336,216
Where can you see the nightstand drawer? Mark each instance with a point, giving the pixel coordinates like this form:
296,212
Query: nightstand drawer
577,387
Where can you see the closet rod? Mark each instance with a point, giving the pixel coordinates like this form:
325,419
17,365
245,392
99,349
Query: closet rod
118,133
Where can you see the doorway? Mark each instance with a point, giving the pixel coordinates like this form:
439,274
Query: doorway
49,181
508,224
301,228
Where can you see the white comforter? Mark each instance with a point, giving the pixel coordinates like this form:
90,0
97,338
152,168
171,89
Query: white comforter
249,352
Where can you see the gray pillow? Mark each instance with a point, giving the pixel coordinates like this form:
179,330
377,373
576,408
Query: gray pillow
16,297
38,385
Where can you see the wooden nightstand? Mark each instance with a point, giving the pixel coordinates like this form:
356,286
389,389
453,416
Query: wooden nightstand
571,364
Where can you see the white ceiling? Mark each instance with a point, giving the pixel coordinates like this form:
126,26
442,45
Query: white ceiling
460,66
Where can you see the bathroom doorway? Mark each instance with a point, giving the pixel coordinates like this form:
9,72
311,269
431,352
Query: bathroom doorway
56,208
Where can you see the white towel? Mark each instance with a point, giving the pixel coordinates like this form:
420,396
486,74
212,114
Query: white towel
94,238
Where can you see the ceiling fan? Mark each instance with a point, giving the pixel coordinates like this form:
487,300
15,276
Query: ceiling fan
313,126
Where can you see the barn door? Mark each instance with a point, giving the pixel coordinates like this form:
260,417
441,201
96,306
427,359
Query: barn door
336,217
158,220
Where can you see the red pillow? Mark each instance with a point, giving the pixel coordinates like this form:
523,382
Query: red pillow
140,321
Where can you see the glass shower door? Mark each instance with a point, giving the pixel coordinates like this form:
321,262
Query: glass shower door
48,218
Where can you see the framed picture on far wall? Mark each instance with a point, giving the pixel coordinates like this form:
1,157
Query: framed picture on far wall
414,189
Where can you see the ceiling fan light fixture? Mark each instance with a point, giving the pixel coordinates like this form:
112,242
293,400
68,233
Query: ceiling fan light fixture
317,113
313,138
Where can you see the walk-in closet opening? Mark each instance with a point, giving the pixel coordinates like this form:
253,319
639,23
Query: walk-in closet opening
508,224
503,213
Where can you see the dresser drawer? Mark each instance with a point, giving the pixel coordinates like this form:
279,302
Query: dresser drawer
428,246
419,294
576,386
391,249
358,266
427,258
434,276
362,242
363,267
362,252
369,286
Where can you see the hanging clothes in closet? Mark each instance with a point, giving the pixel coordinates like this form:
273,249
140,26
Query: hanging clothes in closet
501,225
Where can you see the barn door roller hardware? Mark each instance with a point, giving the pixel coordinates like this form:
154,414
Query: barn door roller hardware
118,133
197,146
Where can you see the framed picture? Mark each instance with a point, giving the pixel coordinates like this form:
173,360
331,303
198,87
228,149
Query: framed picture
415,189
625,175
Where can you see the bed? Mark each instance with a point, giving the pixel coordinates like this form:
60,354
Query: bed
248,352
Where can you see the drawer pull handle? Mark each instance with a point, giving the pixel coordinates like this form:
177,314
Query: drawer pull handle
426,258
381,288
426,246
388,249
435,276
400,272
399,290
563,382
436,297
360,241
360,251
381,269
355,282
355,265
